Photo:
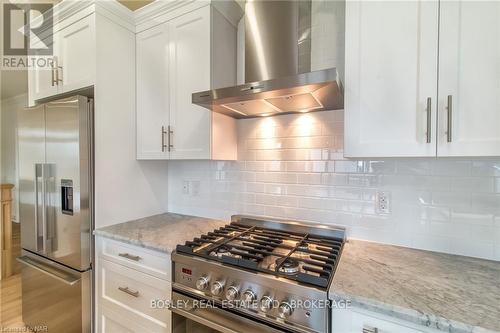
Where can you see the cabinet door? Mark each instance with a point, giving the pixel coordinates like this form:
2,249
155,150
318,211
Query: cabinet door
77,54
41,81
152,92
469,78
391,78
189,72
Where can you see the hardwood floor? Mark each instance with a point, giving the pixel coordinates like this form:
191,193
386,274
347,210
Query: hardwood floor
10,290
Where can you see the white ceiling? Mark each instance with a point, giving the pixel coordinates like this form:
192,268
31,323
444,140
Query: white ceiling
13,83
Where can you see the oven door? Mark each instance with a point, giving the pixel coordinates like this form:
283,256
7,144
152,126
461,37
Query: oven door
190,319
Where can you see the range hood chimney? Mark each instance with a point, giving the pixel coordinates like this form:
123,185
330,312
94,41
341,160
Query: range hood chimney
277,66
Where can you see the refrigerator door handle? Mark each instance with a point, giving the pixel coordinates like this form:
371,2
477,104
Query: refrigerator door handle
49,223
44,208
39,201
51,271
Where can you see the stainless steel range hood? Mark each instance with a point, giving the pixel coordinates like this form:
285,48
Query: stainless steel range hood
277,66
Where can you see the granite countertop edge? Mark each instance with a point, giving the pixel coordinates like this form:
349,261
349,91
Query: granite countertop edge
427,320
136,242
146,232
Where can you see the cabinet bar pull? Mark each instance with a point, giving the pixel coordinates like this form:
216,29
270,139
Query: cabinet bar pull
369,329
56,69
170,133
163,145
429,119
449,122
54,82
129,256
126,290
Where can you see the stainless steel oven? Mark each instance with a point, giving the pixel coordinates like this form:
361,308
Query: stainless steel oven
256,275
190,318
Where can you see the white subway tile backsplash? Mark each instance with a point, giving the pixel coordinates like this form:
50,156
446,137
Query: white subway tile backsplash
413,167
448,167
309,178
432,242
380,167
469,215
333,179
472,247
435,213
292,166
473,184
276,189
256,187
349,167
451,199
484,168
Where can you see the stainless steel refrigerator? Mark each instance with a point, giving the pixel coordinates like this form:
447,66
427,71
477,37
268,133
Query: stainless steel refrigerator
56,213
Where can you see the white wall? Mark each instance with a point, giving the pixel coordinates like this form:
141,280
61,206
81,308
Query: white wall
293,167
9,159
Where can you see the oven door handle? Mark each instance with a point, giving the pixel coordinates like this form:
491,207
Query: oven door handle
216,318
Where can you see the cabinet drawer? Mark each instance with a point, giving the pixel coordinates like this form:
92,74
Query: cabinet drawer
113,319
147,261
360,321
133,291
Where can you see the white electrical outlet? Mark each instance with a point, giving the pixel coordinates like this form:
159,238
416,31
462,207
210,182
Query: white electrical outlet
383,202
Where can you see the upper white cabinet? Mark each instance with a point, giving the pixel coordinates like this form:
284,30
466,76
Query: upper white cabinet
76,60
73,59
469,78
391,78
393,105
189,72
175,59
152,50
42,82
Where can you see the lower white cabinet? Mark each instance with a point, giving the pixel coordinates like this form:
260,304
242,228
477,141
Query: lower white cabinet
361,321
125,291
114,320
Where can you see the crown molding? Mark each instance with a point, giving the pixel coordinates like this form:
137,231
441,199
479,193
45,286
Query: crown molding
161,11
157,12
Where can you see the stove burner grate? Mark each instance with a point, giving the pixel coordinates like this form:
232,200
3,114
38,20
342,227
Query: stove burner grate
305,254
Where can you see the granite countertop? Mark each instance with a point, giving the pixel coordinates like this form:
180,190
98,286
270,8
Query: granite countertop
442,291
160,232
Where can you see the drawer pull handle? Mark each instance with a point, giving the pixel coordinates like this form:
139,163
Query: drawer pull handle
369,329
129,256
128,291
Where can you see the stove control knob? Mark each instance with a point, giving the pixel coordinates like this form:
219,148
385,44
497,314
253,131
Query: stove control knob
248,296
266,303
232,293
217,288
202,283
285,310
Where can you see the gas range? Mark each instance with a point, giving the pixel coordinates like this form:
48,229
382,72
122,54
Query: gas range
271,273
